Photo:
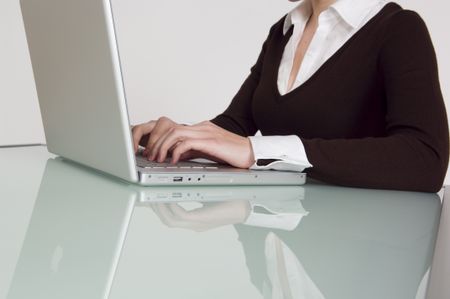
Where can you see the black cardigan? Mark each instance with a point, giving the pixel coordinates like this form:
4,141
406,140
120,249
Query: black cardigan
371,116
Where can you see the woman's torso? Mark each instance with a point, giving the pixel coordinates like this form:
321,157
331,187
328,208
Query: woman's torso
347,90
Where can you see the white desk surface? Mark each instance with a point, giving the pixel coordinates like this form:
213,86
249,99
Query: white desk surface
69,232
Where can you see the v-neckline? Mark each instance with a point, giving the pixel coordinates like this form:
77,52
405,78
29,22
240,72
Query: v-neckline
307,82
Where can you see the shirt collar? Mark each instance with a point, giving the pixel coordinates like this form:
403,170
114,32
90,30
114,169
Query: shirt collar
300,13
352,12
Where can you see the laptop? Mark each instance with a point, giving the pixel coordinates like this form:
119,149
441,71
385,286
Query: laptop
77,70
79,224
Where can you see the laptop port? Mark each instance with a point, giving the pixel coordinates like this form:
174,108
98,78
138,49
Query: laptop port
178,179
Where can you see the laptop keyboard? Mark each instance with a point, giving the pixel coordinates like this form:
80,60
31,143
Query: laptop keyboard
144,163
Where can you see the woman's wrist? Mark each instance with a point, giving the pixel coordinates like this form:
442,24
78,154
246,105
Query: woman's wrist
250,154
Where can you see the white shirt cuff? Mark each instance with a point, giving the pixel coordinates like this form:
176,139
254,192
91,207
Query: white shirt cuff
287,150
284,220
284,214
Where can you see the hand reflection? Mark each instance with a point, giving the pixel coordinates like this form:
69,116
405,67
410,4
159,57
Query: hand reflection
209,216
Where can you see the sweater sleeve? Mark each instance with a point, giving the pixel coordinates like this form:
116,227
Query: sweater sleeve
414,153
238,117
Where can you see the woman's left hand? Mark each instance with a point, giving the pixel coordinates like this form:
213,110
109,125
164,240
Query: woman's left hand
204,139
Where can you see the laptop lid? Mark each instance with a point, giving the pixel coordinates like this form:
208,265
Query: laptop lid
79,83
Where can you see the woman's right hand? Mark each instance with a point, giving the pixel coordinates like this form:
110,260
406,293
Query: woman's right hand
148,134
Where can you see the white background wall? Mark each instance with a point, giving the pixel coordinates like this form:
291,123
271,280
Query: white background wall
184,59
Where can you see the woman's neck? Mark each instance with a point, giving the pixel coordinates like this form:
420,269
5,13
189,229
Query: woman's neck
318,6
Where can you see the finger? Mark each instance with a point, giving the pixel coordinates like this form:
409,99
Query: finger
139,131
154,138
155,147
161,127
143,131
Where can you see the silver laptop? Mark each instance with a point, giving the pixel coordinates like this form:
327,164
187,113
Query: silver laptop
78,76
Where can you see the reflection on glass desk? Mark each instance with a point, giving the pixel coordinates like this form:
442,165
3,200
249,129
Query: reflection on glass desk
91,236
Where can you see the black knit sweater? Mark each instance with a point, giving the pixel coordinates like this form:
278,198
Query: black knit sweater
371,116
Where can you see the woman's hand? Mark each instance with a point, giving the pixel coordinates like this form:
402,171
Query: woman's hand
204,140
207,139
147,134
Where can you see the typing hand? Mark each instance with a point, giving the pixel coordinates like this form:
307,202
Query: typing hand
203,140
148,134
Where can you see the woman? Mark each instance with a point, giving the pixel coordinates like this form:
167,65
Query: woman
348,89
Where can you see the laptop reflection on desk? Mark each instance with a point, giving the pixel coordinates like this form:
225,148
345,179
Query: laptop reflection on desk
79,224
73,242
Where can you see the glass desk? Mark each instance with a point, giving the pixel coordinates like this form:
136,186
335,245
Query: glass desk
69,232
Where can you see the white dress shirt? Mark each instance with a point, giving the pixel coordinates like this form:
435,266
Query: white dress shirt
336,25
